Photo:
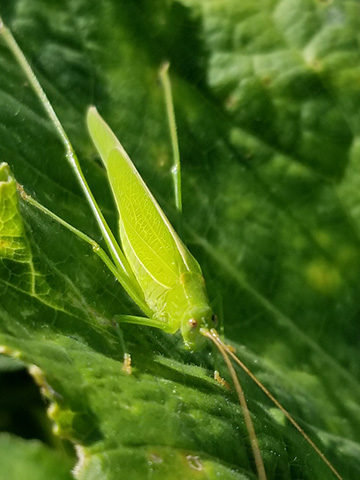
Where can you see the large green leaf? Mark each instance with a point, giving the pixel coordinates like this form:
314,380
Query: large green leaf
267,97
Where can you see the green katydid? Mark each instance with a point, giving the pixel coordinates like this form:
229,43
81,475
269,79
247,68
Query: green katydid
152,264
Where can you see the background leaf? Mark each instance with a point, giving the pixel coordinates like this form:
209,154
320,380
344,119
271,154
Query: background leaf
37,460
267,98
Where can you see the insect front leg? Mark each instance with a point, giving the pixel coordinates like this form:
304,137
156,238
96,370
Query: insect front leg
127,356
148,322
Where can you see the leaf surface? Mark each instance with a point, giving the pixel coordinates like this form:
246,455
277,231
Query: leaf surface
267,100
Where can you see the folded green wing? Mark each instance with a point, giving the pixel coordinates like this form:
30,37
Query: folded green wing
155,253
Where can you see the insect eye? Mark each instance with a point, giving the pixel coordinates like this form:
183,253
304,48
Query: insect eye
214,319
193,323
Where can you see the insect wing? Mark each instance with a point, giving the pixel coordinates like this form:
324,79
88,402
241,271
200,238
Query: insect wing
155,252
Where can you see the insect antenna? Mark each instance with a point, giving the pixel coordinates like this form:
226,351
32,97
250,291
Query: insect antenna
213,335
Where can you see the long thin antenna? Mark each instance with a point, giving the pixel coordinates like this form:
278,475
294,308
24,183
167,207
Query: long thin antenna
240,393
214,333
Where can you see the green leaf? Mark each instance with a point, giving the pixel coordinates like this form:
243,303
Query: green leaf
37,461
267,98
